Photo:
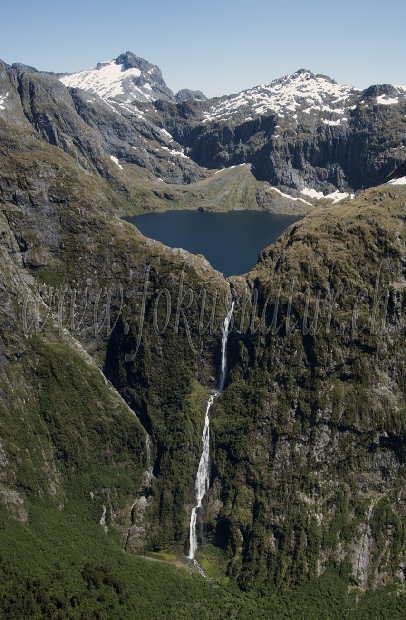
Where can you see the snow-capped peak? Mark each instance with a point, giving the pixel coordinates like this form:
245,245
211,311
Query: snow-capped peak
300,90
126,78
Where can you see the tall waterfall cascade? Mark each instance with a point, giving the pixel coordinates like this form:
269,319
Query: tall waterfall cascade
202,481
150,467
226,330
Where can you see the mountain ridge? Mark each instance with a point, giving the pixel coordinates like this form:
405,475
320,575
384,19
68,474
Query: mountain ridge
303,135
307,109
308,437
128,60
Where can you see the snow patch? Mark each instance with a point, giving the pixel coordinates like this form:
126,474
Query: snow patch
288,94
109,80
112,107
175,153
131,109
2,100
334,123
328,122
337,195
166,134
275,189
334,196
115,161
400,181
385,100
106,81
312,193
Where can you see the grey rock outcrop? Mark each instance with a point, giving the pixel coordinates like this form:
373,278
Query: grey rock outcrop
186,95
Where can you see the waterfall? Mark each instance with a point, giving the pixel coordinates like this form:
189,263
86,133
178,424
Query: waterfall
150,467
202,481
226,330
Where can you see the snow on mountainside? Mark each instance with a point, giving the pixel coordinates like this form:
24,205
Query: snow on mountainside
128,77
304,134
107,80
300,91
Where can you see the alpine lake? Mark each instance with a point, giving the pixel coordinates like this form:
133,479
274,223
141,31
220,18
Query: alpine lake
230,241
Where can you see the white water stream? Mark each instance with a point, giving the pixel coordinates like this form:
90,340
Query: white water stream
150,467
202,481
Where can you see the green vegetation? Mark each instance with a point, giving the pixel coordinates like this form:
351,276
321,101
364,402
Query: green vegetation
222,190
60,566
307,439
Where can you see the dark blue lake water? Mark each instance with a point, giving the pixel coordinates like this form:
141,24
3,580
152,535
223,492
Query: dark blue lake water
230,241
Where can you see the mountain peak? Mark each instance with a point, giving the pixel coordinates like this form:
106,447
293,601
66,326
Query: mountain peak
311,75
126,78
19,66
185,94
300,71
130,61
288,95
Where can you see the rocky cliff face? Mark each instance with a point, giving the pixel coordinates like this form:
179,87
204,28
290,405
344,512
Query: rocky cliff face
108,336
96,133
296,144
301,132
309,434
78,271
185,94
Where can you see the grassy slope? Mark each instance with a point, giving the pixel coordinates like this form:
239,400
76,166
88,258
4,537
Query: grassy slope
67,435
229,189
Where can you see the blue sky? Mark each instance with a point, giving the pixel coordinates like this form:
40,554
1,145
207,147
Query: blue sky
220,48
